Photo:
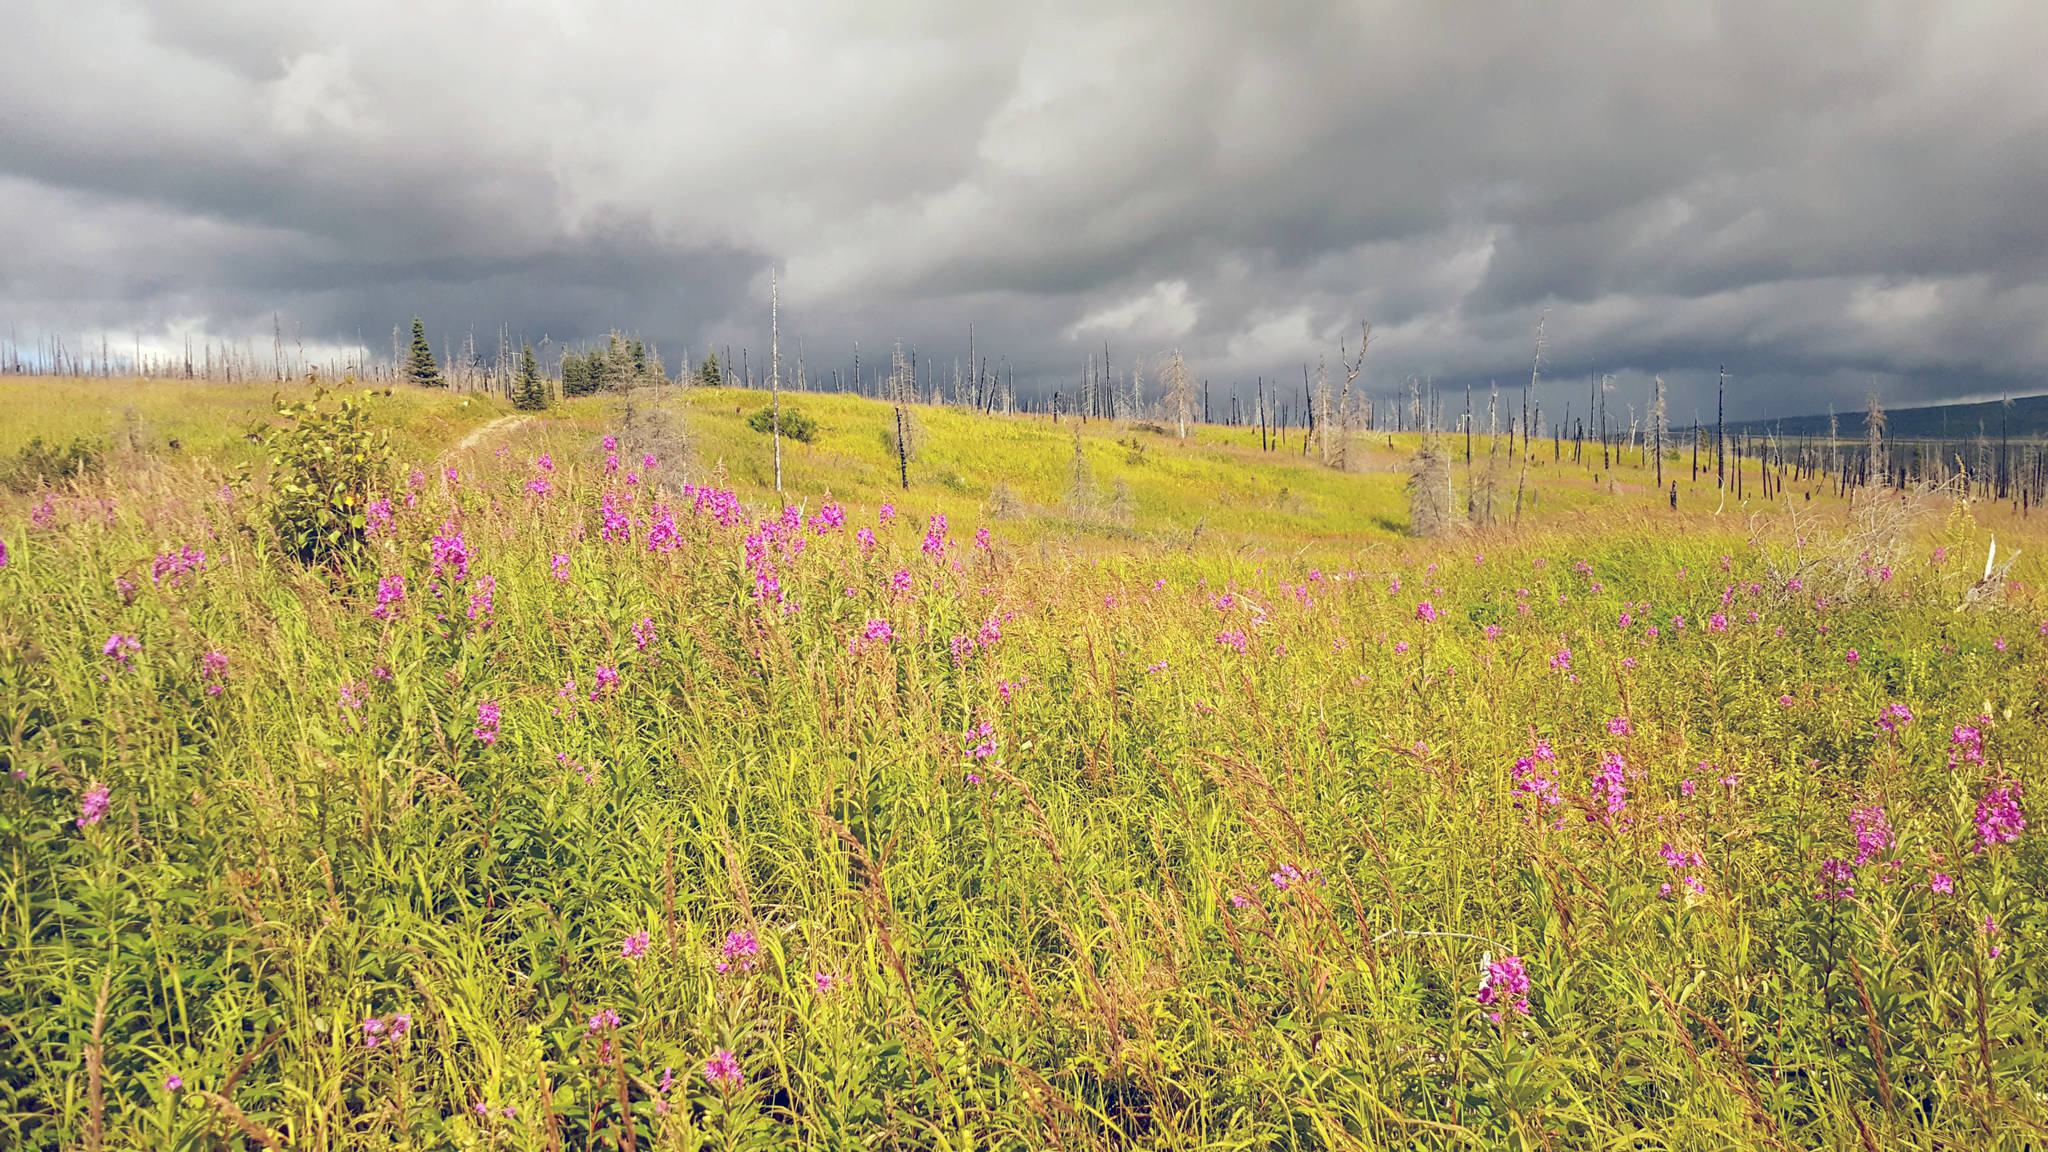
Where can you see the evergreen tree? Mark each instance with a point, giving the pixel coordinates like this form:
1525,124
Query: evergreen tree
579,374
708,373
639,360
530,392
421,369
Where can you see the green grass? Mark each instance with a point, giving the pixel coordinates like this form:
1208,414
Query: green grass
1075,941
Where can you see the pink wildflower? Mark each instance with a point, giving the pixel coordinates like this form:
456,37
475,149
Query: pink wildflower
1999,819
740,950
1873,832
390,594
1837,879
92,806
1505,984
486,731
723,1070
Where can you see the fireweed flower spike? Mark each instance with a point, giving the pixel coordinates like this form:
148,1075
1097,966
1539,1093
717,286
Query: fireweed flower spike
486,730
739,951
634,946
92,806
723,1070
1873,832
1837,879
1999,819
1504,984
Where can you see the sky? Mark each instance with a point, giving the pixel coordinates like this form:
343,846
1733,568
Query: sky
1822,198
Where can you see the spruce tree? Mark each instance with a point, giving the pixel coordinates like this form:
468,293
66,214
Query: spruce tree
421,369
530,392
579,374
639,360
708,373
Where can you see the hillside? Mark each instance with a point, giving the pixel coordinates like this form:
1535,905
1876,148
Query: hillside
2026,417
1136,483
582,795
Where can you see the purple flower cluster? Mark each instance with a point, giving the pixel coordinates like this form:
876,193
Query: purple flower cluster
661,530
121,648
1232,638
1289,877
1999,819
1610,787
480,601
739,952
1530,778
618,527
985,735
1894,717
92,807
377,516
635,946
723,1070
376,1031
213,672
1966,745
175,566
486,730
1504,984
390,594
449,554
1837,879
1873,832
829,518
1682,861
721,504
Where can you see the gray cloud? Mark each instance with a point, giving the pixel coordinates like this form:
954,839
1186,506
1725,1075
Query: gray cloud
1820,196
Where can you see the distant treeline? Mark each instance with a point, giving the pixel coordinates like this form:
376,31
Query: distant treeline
2023,417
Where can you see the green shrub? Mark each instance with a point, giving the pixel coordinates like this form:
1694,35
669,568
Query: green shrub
795,424
324,468
37,463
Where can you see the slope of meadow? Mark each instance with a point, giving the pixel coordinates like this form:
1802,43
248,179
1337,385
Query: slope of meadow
596,807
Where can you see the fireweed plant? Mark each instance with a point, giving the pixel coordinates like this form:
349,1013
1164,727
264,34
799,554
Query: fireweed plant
590,808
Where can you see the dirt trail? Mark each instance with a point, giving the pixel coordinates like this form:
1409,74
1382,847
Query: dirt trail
479,432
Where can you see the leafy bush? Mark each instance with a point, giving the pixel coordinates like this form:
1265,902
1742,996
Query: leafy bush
37,463
795,424
324,468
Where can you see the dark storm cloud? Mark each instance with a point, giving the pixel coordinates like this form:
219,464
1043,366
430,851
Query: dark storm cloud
1822,196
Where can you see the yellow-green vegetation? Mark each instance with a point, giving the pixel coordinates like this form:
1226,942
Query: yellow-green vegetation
212,420
599,802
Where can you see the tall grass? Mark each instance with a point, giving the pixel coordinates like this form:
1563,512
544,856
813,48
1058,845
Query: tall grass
997,845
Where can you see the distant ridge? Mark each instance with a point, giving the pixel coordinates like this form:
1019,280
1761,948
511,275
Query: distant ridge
2027,417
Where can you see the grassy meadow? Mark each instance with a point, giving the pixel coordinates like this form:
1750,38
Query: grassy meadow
1177,800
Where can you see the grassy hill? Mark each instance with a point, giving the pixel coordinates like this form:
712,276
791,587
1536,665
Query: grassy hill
594,807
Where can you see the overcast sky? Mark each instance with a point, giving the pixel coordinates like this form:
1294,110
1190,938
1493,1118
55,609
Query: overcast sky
1822,196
